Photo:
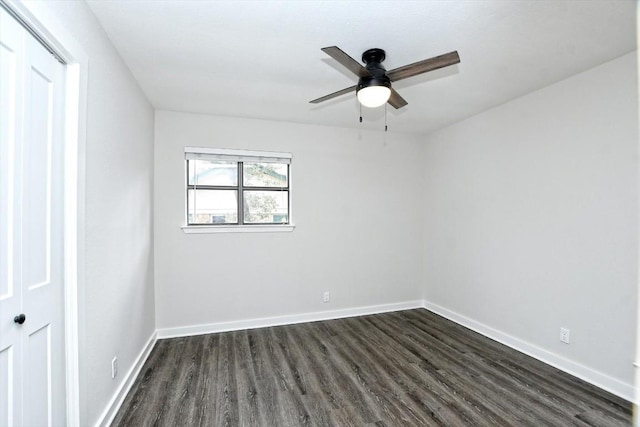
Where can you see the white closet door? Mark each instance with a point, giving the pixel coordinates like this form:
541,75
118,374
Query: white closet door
32,381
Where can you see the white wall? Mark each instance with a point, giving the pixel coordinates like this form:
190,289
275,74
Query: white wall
116,293
356,209
531,220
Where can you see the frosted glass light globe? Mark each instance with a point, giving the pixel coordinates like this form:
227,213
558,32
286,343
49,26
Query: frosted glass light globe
374,96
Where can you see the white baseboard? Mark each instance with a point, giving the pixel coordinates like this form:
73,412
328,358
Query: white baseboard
118,397
603,381
285,320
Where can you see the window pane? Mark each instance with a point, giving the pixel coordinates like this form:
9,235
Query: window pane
207,172
265,174
213,206
266,207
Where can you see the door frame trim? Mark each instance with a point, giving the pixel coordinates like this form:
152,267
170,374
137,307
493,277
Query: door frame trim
53,34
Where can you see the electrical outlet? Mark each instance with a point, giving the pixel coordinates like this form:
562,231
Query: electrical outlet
564,335
326,297
114,367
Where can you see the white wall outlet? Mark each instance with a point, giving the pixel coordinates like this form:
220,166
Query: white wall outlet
114,367
326,297
564,335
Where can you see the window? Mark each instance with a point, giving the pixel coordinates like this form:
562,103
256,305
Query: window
237,188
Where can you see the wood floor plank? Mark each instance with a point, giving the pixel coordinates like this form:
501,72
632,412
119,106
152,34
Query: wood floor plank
250,406
407,368
227,413
205,400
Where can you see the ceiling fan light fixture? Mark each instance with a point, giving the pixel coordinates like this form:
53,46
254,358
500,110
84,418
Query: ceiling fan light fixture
374,74
373,92
374,96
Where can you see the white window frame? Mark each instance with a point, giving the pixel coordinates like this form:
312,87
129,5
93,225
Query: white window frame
223,154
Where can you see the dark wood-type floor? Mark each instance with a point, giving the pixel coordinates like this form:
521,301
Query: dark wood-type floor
408,368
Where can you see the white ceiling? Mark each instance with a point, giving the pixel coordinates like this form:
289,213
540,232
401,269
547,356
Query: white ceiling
262,59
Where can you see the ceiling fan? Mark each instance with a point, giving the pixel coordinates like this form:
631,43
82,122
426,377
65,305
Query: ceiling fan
374,84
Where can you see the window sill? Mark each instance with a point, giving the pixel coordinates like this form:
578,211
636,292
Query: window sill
206,229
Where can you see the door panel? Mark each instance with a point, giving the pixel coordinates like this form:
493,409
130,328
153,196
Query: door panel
11,123
37,377
36,186
6,386
8,102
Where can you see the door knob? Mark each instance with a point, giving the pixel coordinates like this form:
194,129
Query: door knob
19,319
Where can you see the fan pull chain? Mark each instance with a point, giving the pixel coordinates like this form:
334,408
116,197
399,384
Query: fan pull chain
385,117
360,112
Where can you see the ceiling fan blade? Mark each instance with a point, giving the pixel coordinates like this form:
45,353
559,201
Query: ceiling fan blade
423,66
395,100
333,95
351,64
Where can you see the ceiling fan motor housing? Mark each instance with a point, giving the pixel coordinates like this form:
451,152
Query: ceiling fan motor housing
373,56
373,59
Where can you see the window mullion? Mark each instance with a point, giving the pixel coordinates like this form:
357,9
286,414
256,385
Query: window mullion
187,210
240,195
266,188
195,194
212,187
